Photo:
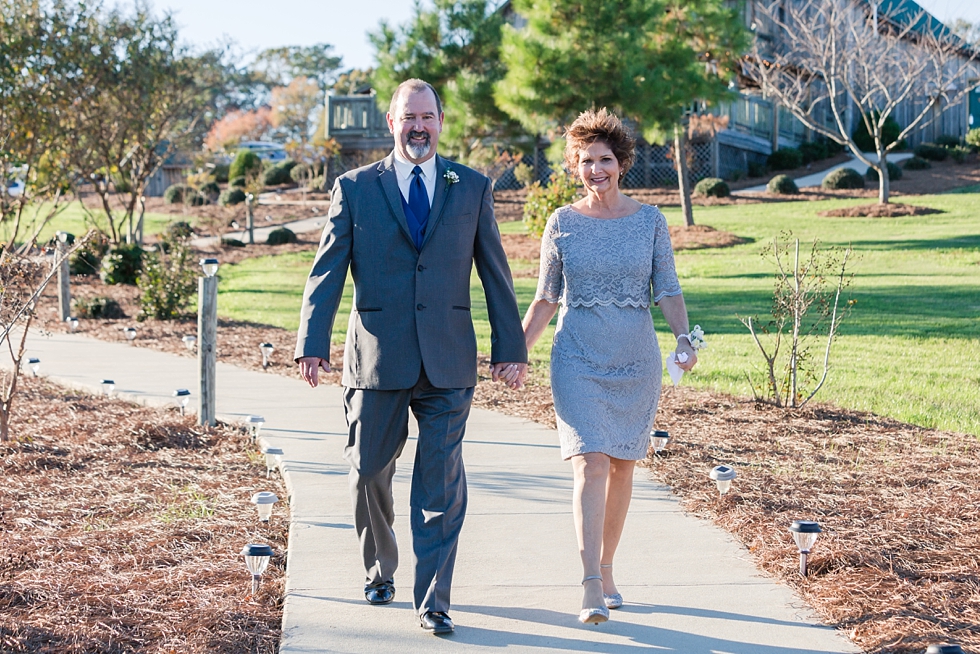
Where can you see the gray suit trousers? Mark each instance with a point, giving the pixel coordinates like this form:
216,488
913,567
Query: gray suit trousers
377,431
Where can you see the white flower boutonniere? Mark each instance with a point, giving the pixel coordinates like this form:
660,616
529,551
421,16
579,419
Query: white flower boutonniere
451,176
697,338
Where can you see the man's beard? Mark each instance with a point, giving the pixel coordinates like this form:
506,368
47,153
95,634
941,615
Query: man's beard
417,151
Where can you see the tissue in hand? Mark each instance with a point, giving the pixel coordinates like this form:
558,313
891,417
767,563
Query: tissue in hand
673,369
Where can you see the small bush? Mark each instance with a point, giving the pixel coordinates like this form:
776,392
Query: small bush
843,178
220,173
785,159
122,265
947,140
783,185
973,137
97,307
889,132
894,173
281,236
712,187
178,193
178,231
232,243
87,259
169,278
237,182
231,196
757,169
245,162
542,201
815,151
211,190
524,174
300,173
931,151
959,153
279,173
916,163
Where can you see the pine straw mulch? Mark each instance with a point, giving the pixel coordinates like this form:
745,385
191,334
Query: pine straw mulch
890,210
122,528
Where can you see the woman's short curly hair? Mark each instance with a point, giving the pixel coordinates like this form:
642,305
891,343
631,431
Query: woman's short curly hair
604,126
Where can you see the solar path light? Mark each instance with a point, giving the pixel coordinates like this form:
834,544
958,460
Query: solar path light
805,534
264,501
948,648
256,561
659,440
130,333
254,424
189,342
72,324
267,350
210,267
270,458
107,387
183,397
723,476
35,365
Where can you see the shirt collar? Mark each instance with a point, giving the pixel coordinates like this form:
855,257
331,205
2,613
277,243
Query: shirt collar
404,168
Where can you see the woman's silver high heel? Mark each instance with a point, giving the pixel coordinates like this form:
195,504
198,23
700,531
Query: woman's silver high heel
593,615
615,600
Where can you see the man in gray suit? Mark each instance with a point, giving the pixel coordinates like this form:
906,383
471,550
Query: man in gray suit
410,228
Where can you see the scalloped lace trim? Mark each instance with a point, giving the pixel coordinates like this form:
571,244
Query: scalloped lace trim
629,302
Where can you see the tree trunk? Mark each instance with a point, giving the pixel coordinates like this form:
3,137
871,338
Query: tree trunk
683,178
884,182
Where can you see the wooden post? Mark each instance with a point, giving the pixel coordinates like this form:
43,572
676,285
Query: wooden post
250,218
64,285
207,332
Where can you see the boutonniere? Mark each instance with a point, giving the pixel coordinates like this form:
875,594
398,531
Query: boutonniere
451,176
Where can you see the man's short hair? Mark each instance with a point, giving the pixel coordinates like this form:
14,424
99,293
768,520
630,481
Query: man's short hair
414,85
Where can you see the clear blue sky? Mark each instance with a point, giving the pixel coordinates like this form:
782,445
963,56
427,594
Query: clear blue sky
258,24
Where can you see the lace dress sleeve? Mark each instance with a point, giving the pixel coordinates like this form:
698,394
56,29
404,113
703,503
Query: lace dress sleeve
664,276
550,282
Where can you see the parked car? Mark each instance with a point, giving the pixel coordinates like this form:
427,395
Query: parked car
15,187
267,150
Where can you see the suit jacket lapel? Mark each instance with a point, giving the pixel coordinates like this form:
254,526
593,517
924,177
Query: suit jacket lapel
438,199
389,184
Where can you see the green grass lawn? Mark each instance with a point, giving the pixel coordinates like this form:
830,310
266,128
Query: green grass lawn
74,220
910,349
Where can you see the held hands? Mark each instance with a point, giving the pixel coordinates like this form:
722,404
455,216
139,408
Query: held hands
309,369
512,374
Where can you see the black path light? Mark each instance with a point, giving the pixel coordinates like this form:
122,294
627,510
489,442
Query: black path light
659,440
264,501
107,387
947,648
270,458
267,349
183,398
805,534
254,424
723,476
35,365
256,560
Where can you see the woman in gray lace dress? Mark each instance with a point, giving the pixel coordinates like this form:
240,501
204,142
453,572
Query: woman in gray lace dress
600,258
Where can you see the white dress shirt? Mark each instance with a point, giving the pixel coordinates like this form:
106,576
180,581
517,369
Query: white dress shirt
403,171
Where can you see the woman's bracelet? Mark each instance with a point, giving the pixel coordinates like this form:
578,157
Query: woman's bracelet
695,338
687,336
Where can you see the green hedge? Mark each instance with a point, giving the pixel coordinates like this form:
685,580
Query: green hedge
931,151
231,196
245,161
279,173
785,159
916,163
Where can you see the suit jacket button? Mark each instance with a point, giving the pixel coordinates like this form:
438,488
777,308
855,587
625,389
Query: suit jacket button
421,267
419,306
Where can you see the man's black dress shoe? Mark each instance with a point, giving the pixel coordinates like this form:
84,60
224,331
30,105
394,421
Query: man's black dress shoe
437,622
380,594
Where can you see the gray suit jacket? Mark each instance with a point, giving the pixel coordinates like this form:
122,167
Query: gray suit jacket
411,308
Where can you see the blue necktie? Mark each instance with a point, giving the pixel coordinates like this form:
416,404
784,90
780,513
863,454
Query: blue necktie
418,202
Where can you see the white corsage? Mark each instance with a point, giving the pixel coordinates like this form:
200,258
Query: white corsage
451,177
696,339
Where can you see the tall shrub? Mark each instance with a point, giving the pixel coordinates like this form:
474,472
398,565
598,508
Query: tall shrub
542,201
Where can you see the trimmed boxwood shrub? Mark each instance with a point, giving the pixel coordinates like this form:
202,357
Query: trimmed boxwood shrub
245,161
211,190
122,265
785,159
281,236
931,151
813,151
231,196
177,193
894,173
783,185
237,182
87,259
279,174
712,187
889,132
916,163
947,140
97,307
221,173
843,178
232,243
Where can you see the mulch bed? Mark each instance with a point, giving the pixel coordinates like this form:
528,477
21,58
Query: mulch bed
890,210
122,528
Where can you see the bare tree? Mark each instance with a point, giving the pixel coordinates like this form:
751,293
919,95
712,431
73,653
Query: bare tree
830,57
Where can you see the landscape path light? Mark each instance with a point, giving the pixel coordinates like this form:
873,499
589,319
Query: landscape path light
947,648
659,440
35,365
108,386
72,324
130,333
723,476
256,561
254,424
267,350
183,397
264,501
270,458
210,267
189,341
805,534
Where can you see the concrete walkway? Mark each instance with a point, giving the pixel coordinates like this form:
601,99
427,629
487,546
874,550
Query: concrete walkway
815,179
688,587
